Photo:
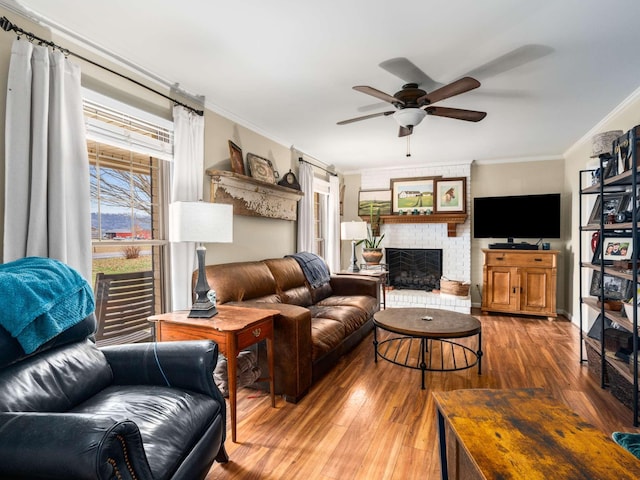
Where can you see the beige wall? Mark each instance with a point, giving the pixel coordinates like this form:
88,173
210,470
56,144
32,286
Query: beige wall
254,238
625,117
519,178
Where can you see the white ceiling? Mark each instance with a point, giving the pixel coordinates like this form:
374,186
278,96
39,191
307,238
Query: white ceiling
286,68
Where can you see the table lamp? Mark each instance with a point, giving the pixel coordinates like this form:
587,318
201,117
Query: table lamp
201,222
353,231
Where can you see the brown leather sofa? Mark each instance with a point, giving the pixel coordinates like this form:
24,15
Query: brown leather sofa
314,327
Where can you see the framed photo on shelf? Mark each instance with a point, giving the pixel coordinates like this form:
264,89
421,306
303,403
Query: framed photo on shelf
613,204
412,194
613,247
261,168
610,168
235,154
615,288
450,195
376,202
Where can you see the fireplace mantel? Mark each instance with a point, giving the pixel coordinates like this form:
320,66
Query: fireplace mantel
451,219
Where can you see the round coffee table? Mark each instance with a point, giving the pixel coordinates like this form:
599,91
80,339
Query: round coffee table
425,342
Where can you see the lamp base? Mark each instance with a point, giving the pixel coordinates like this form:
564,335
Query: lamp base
203,310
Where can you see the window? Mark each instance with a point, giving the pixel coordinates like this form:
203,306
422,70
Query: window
320,216
126,152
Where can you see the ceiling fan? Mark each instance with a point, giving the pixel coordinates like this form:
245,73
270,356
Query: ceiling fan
413,104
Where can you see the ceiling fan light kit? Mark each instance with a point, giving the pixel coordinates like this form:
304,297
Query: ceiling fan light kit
409,117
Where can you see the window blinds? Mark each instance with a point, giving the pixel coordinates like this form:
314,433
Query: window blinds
110,125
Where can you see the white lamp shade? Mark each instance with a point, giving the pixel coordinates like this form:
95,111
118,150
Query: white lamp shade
201,222
409,117
353,230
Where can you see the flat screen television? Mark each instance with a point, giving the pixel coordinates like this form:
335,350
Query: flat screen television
517,216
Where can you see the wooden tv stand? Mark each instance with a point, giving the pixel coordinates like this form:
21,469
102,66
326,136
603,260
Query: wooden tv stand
520,281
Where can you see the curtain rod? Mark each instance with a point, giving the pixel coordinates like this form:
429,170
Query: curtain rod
300,159
7,26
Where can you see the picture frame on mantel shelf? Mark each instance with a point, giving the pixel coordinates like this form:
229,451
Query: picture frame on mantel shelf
450,195
409,194
261,168
374,202
237,162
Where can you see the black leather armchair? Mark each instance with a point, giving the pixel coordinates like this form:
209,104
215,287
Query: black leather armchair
141,411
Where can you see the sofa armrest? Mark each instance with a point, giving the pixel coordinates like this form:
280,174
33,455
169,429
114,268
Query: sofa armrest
70,446
182,364
355,285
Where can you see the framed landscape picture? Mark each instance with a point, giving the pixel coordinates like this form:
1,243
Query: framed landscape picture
374,202
410,194
451,195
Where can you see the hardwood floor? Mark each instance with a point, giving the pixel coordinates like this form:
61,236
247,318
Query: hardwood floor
372,421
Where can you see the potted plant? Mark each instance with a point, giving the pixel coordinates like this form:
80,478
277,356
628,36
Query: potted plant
372,252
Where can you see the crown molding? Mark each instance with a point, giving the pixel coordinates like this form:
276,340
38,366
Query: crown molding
600,126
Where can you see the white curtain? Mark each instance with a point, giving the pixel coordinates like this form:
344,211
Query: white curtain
305,209
333,227
47,196
186,186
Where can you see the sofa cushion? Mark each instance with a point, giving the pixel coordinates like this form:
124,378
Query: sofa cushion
55,380
320,293
326,335
367,304
291,283
351,318
170,420
235,282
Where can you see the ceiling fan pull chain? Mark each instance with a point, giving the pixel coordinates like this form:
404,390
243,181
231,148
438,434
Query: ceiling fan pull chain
408,145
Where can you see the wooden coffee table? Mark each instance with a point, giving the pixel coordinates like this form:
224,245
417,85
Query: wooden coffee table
523,434
426,339
233,329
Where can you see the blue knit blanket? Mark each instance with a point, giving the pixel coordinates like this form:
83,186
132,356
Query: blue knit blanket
41,297
313,267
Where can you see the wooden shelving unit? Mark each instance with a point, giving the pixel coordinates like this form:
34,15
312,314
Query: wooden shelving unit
605,357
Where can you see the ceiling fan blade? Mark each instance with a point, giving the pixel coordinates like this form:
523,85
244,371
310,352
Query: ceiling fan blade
406,70
511,60
404,131
377,93
373,115
455,88
457,113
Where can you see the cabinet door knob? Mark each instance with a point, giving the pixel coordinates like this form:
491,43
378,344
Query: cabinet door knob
256,332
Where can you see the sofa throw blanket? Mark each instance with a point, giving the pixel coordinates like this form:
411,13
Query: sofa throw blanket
41,297
313,267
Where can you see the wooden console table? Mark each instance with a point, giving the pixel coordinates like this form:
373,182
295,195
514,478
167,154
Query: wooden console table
233,329
523,434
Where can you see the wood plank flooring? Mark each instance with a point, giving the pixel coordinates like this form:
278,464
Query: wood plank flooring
372,421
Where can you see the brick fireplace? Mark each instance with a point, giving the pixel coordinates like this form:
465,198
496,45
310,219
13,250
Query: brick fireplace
456,251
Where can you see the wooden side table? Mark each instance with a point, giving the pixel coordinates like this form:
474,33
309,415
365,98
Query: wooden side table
379,275
233,329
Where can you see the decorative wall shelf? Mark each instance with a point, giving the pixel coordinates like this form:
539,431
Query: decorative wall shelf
252,197
451,219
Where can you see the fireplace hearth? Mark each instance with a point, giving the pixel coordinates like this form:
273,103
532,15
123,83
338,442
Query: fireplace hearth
414,268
